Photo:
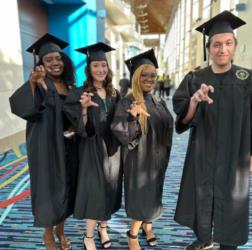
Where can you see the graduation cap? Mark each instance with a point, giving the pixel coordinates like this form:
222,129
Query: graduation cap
225,22
46,44
147,57
96,52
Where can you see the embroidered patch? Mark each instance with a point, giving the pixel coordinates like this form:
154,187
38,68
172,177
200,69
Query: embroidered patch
242,74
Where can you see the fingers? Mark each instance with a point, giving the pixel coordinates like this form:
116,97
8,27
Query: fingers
91,103
202,93
86,100
39,68
43,84
145,113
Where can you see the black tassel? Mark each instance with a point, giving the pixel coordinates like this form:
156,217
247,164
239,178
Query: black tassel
204,44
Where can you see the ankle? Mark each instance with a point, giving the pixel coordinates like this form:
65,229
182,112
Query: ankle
131,236
87,236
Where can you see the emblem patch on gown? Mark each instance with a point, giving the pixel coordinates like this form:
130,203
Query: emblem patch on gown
242,74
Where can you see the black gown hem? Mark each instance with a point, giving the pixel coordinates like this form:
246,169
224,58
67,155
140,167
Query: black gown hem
82,217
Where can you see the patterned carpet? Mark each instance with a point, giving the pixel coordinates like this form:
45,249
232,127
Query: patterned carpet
16,222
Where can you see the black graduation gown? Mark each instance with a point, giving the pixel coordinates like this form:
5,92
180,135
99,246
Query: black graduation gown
215,181
52,159
145,156
99,185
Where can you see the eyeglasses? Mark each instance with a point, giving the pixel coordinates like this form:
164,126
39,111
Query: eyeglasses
146,76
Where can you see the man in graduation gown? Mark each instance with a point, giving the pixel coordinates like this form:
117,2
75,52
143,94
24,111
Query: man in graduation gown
215,103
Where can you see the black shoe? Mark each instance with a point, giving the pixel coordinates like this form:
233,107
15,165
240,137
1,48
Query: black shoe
199,245
88,237
152,242
107,243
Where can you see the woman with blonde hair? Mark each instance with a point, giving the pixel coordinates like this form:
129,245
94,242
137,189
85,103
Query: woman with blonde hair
144,127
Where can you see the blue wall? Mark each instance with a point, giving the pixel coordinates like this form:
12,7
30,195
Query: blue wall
77,24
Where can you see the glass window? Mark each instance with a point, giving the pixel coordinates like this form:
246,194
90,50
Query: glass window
225,5
206,9
195,9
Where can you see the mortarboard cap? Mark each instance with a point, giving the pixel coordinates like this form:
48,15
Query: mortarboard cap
147,57
225,22
46,44
96,52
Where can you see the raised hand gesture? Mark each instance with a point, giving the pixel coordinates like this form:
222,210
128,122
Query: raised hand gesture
136,109
37,77
201,95
86,100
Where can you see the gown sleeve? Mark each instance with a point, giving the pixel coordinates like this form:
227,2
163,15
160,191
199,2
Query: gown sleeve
125,127
181,101
73,111
25,105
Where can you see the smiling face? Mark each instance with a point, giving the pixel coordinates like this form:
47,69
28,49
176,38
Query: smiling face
54,64
148,78
222,49
99,70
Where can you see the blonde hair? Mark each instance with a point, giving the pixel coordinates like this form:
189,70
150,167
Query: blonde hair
138,94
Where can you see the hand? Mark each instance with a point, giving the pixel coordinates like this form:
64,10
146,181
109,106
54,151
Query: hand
136,109
201,95
37,77
86,100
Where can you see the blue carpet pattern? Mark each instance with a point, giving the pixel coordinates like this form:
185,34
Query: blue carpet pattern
16,221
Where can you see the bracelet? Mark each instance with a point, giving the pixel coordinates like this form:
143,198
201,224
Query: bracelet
84,114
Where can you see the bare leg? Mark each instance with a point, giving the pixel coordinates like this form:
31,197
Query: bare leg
132,235
103,234
48,239
65,243
150,236
89,235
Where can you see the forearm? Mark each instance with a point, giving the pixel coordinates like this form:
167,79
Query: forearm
84,116
191,111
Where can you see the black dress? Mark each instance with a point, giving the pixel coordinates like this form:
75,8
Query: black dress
215,181
52,159
145,156
99,187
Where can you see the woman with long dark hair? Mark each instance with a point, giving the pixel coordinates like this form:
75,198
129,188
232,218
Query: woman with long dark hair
144,126
91,109
52,157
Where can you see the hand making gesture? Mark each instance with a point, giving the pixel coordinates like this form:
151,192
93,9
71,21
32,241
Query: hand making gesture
136,109
37,77
201,95
86,100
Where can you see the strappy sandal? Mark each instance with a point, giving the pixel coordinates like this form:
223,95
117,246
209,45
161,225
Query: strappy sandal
88,237
106,244
49,243
152,242
133,237
65,243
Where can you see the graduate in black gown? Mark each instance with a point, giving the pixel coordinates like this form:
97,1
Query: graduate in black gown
91,109
215,104
144,126
52,158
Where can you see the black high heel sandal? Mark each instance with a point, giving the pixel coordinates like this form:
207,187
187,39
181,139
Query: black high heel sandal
152,242
99,235
88,237
133,237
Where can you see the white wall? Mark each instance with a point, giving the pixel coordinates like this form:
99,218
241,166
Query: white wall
11,71
243,56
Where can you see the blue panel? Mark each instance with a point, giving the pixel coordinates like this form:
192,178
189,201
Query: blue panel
76,24
241,7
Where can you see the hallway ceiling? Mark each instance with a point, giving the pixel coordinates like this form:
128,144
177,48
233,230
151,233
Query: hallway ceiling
153,15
